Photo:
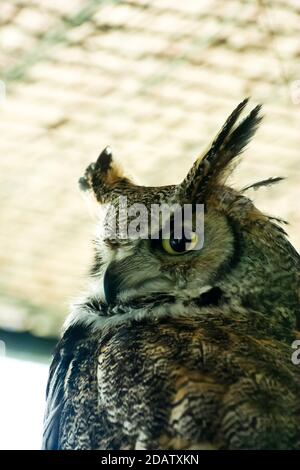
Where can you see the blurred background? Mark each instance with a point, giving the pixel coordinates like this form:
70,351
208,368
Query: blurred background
153,79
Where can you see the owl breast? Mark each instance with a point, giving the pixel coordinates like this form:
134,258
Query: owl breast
186,383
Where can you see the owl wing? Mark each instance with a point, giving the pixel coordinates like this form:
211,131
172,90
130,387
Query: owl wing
64,354
191,383
55,398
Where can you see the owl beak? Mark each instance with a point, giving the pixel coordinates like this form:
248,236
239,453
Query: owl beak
121,280
111,284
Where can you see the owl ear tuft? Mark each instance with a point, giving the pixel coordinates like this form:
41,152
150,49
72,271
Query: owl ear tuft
104,178
104,160
211,169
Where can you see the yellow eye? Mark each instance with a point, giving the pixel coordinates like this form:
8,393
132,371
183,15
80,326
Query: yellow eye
178,246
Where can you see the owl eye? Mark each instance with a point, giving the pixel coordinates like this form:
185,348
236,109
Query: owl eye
178,246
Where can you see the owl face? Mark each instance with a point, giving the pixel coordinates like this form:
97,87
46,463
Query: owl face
166,264
226,249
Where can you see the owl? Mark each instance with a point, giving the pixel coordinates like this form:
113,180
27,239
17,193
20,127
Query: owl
182,341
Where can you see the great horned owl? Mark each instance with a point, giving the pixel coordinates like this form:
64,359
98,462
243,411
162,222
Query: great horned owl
180,348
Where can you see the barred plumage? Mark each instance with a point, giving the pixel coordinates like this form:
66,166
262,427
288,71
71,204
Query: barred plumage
190,351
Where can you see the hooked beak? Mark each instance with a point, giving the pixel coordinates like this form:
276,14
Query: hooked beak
111,284
118,279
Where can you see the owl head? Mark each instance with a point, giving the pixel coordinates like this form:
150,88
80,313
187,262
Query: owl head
222,249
